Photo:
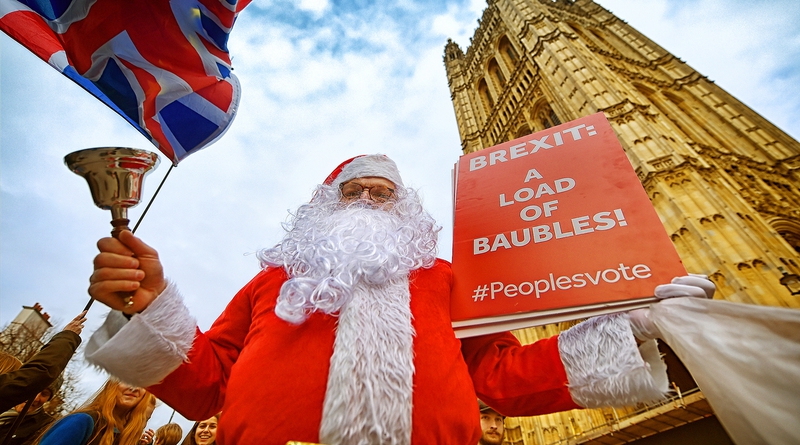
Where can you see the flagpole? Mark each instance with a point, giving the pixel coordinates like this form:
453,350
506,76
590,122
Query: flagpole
139,221
17,422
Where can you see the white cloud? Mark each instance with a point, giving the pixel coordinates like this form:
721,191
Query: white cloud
318,7
447,25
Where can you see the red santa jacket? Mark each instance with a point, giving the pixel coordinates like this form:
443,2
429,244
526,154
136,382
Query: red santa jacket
269,377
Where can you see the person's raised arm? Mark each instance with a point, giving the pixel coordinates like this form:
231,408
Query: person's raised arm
43,368
128,275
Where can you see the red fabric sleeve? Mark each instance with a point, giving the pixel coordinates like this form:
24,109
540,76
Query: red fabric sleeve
518,380
197,388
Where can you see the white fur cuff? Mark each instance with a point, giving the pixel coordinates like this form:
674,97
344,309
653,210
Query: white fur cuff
146,349
605,368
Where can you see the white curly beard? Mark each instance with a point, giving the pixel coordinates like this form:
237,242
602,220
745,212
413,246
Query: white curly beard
354,261
370,382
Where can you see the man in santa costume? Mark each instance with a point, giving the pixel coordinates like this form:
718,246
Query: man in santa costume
344,337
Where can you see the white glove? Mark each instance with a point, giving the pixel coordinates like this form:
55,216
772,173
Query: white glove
692,285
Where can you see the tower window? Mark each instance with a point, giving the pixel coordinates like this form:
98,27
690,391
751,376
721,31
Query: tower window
548,118
511,54
507,51
497,73
483,90
554,118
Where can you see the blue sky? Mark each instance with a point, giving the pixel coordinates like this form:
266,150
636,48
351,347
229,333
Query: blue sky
322,81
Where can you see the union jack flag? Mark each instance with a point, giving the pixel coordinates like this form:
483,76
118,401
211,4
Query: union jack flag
163,65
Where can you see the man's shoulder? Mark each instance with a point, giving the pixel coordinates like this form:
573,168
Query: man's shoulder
442,263
440,267
271,273
267,278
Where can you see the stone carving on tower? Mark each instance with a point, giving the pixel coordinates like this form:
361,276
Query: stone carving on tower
724,180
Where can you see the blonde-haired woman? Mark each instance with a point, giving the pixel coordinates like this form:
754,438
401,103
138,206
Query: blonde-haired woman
8,363
116,415
169,434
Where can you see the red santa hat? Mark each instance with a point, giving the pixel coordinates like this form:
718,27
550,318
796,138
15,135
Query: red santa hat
363,166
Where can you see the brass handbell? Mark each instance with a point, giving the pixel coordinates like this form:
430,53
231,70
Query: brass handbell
115,176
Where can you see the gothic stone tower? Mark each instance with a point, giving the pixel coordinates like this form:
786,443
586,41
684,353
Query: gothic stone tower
724,180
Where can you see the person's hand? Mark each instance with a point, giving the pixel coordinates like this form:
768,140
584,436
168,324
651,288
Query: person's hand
76,325
126,267
642,326
692,285
147,437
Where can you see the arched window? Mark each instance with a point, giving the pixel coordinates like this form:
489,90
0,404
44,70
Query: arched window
601,39
507,52
554,118
547,117
486,96
647,91
497,73
592,37
789,230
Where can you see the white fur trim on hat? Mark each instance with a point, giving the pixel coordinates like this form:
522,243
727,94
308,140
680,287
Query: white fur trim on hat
370,165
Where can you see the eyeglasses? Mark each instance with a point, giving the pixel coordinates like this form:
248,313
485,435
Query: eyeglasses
379,193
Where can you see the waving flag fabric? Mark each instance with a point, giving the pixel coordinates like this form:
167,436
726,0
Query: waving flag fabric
163,65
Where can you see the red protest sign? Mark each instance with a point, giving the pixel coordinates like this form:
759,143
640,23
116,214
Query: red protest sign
553,226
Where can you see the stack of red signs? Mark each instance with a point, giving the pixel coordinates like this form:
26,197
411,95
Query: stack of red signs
553,226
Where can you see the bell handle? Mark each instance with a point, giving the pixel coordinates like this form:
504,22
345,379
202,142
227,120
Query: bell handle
120,225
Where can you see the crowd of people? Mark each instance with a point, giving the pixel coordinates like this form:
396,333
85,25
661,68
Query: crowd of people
344,337
117,414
